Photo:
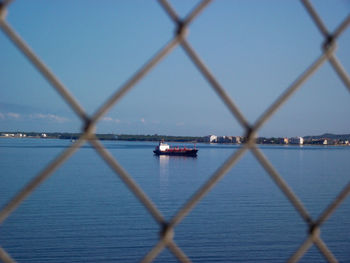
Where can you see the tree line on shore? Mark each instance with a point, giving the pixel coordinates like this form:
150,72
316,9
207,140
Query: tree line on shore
316,139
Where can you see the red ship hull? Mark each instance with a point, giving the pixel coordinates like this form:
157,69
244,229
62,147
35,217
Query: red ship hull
165,149
177,152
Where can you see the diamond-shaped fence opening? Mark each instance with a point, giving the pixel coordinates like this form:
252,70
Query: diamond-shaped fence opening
167,228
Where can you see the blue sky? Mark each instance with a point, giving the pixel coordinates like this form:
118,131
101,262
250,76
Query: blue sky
256,49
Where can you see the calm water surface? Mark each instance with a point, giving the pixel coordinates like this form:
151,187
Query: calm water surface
84,212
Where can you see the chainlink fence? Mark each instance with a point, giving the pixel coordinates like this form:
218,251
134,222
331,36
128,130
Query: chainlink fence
167,228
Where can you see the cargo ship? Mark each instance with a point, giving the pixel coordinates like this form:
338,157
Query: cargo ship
165,149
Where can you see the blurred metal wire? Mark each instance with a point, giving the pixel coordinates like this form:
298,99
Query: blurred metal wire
167,228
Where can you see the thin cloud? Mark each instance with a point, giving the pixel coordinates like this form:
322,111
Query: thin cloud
9,115
110,119
13,115
37,116
50,117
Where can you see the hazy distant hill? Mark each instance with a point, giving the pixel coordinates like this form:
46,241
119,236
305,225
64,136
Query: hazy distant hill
328,136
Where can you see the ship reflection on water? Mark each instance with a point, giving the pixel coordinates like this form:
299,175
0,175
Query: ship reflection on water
172,175
163,181
164,159
173,165
163,163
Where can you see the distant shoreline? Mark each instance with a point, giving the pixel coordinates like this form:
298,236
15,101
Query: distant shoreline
325,139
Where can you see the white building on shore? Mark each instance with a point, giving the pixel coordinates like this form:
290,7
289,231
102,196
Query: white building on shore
296,140
211,138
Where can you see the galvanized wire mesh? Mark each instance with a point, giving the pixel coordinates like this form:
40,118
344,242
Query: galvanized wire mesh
167,228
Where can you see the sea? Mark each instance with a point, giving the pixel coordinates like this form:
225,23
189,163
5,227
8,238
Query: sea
85,213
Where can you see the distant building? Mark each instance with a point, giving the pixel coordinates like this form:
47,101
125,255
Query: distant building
229,139
224,139
296,140
14,135
220,139
212,138
323,141
236,139
272,140
280,141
